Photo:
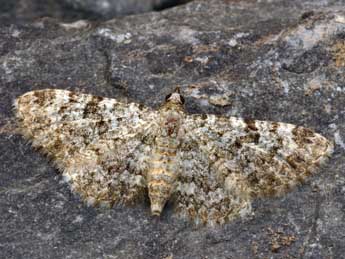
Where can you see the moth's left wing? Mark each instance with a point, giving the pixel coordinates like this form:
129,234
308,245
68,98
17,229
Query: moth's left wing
227,161
99,144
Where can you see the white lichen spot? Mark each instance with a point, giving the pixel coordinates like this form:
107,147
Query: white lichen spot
81,24
220,100
78,219
15,33
339,140
187,35
202,60
232,42
118,38
339,18
285,85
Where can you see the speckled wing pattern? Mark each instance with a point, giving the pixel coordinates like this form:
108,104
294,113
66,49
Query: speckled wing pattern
97,143
228,161
111,152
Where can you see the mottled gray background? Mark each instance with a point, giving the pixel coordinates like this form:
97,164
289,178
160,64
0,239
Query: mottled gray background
280,60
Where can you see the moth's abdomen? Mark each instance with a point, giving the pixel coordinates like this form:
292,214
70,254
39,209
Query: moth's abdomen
161,175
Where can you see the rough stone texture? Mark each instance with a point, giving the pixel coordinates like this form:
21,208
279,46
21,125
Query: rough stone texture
279,60
112,8
22,11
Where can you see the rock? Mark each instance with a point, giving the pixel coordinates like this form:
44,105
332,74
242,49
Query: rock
277,60
111,8
22,11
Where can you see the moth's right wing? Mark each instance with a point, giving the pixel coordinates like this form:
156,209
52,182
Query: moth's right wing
101,145
226,162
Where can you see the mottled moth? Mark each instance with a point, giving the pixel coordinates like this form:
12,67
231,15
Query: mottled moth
211,167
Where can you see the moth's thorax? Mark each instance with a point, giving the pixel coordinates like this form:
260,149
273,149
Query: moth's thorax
163,170
170,122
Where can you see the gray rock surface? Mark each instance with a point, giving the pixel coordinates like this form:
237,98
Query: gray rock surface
279,60
22,11
112,8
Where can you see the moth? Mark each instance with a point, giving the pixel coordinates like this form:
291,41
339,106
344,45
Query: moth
210,167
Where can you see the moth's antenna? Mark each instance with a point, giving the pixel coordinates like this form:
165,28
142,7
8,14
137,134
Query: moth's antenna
177,89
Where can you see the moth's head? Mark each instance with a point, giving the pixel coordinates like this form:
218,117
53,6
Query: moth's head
175,97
